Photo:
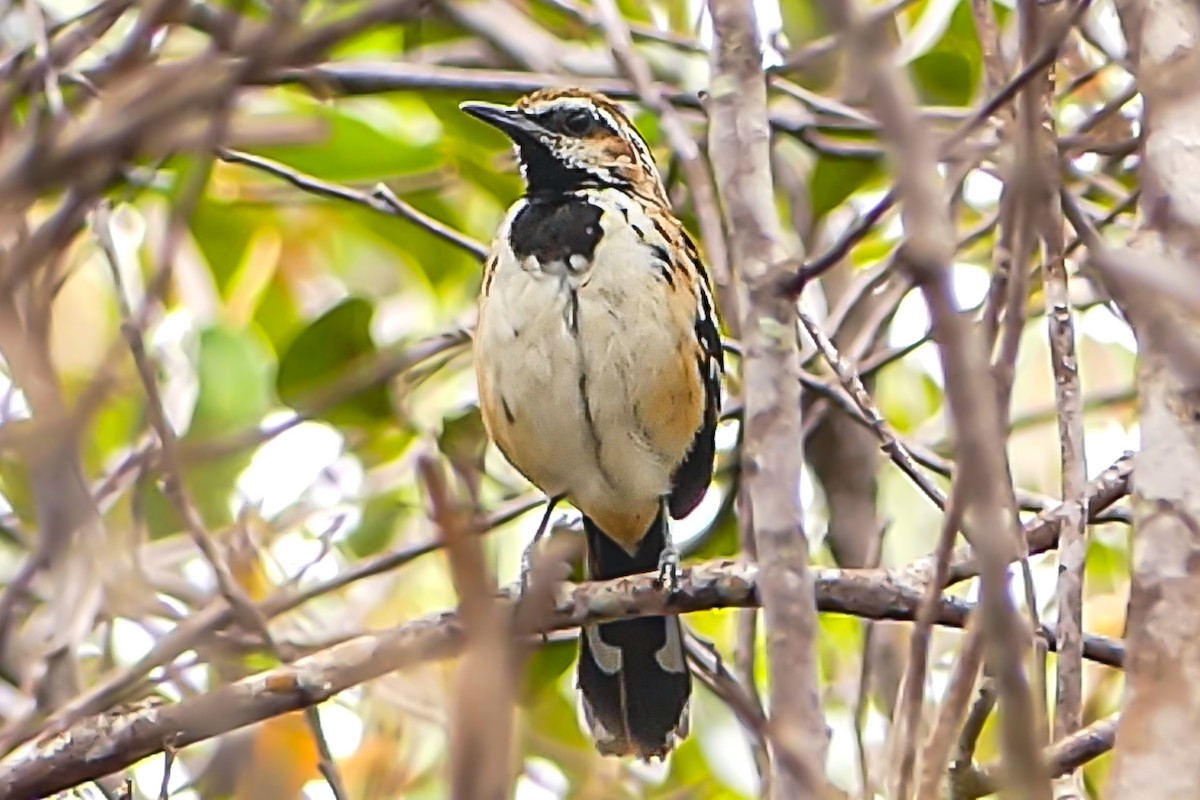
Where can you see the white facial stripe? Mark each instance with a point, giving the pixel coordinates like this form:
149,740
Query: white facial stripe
628,132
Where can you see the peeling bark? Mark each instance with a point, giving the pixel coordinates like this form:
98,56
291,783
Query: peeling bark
1155,749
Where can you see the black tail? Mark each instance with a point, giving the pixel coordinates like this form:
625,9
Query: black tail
632,674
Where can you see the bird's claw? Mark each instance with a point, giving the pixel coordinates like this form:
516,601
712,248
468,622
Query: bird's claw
668,569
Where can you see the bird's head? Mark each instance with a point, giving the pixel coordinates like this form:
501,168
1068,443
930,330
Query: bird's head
568,139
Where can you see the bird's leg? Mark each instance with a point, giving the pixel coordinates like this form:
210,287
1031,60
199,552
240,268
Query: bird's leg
668,562
531,549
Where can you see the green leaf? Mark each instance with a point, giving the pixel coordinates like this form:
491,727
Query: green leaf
691,773
377,525
363,139
802,21
463,439
908,397
324,353
545,666
944,78
223,232
276,314
234,375
234,370
949,72
834,178
116,424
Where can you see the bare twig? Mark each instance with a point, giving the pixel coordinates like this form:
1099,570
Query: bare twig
381,200
1069,404
984,485
739,146
948,148
908,710
1062,757
1041,534
972,726
854,386
481,724
164,792
707,665
950,725
180,497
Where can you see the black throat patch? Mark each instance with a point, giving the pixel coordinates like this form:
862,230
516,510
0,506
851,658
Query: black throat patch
547,174
555,230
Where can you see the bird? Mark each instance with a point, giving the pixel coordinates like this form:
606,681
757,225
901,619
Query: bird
599,367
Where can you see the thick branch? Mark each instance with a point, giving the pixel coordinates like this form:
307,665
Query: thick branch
117,739
1154,755
739,144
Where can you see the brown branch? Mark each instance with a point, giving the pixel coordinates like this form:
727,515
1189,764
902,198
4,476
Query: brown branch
907,723
739,144
116,687
948,148
114,740
1060,758
1069,404
985,485
1041,535
950,724
381,200
1158,277
481,722
166,109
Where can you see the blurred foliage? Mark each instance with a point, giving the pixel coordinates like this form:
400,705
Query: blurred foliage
279,295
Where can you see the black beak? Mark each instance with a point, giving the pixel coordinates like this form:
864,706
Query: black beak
512,122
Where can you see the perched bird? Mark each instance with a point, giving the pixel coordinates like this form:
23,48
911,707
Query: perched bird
599,364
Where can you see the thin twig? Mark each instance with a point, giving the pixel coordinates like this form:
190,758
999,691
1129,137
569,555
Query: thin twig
853,384
178,494
481,725
862,700
908,710
1069,405
1062,757
972,400
949,724
381,199
947,149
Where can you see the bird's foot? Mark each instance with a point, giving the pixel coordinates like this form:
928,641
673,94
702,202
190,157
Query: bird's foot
668,569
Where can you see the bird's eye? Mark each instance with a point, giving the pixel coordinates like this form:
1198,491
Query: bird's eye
577,122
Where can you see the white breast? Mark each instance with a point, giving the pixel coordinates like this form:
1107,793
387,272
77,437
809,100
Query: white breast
573,373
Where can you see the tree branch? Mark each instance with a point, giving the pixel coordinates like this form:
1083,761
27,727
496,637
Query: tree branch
739,143
117,739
